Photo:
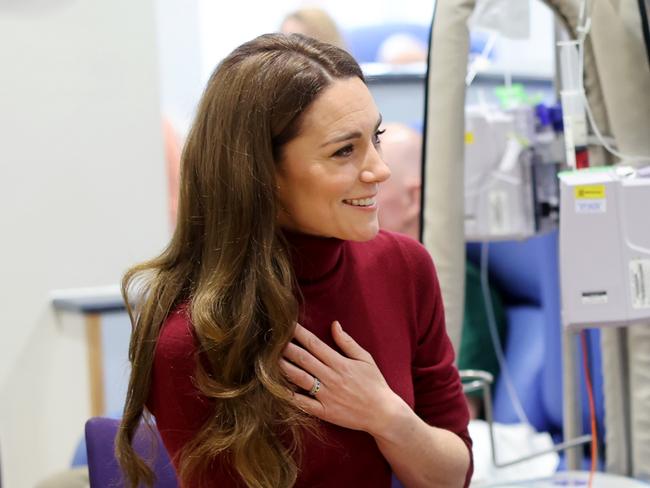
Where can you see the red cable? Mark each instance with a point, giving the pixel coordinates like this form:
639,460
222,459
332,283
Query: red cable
592,408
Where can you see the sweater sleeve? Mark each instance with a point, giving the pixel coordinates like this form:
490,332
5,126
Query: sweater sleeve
439,398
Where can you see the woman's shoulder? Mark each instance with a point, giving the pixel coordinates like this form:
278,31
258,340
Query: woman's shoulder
397,257
394,245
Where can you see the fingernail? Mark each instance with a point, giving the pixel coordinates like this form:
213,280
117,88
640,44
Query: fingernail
338,325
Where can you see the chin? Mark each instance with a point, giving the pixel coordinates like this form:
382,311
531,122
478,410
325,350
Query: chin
362,235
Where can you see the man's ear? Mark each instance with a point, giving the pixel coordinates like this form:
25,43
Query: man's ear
413,190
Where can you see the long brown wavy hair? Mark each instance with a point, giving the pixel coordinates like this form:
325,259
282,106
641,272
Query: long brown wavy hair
228,260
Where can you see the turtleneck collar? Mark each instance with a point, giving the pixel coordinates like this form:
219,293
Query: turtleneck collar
314,258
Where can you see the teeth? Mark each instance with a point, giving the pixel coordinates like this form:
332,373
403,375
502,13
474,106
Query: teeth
361,202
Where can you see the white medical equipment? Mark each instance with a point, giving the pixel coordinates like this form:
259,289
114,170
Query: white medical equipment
498,190
605,246
604,273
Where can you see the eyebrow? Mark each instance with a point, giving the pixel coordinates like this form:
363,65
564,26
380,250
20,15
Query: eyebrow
350,135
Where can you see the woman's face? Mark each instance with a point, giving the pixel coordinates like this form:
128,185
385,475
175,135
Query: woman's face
330,173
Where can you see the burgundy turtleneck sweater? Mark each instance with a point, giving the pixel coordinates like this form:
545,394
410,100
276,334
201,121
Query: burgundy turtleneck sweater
385,294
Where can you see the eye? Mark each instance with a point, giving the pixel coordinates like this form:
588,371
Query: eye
377,139
344,151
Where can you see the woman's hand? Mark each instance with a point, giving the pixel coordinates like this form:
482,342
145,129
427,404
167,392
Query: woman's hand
353,393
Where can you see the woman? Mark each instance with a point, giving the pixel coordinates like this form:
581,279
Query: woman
281,339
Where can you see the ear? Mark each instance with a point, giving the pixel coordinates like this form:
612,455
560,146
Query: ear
413,191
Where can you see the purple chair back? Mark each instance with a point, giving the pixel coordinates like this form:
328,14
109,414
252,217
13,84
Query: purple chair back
103,468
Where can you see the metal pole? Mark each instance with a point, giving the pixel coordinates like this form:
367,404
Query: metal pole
572,427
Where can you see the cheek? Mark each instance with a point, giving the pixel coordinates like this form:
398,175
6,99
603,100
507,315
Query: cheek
389,206
386,216
386,198
328,187
320,189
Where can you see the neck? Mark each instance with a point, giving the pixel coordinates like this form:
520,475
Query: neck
314,258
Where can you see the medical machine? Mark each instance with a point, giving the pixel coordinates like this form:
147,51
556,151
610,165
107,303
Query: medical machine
498,198
512,158
605,246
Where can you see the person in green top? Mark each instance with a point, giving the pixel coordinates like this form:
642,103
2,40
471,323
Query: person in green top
476,348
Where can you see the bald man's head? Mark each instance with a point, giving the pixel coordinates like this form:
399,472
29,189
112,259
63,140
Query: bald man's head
399,196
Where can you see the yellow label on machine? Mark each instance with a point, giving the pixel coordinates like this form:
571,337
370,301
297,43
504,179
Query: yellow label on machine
590,192
469,138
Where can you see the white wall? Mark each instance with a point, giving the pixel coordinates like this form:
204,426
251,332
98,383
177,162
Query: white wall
179,49
82,196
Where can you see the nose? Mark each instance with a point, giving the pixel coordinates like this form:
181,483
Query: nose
375,170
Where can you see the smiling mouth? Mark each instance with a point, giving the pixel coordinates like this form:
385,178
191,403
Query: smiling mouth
360,202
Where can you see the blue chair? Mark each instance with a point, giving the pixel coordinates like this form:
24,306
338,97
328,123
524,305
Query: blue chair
527,274
364,42
80,456
104,470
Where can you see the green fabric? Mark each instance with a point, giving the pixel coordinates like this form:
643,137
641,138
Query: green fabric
476,349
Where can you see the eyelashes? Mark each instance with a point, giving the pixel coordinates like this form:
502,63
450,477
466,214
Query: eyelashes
378,134
348,149
344,151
